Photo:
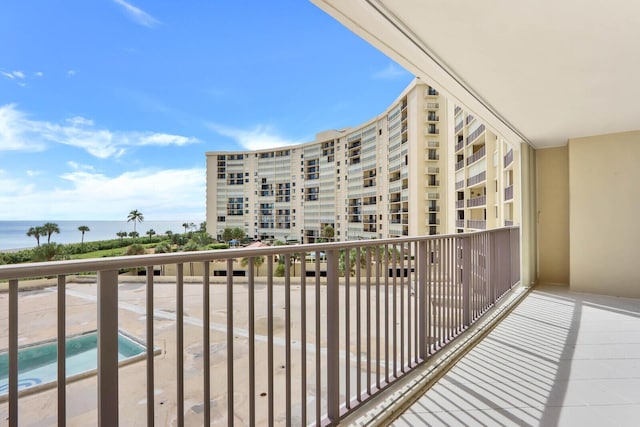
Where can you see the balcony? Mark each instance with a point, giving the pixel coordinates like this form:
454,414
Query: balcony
476,179
475,134
508,193
477,224
476,156
477,201
459,223
458,127
508,158
469,118
459,145
508,223
459,184
459,165
459,204
183,311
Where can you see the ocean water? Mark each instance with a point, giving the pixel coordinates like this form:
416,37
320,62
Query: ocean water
13,234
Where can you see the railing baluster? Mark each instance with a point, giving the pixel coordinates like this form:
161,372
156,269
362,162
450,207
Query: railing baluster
421,297
358,326
180,343
270,338
368,305
206,342
252,343
378,336
62,352
13,353
347,332
303,336
318,337
230,387
333,338
386,314
149,352
287,333
393,311
466,280
108,348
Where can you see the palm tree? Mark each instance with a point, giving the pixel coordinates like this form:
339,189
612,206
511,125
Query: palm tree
150,233
135,216
187,225
35,232
121,234
133,234
83,229
49,228
257,262
168,233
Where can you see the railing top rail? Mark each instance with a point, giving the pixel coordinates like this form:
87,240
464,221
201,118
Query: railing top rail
51,268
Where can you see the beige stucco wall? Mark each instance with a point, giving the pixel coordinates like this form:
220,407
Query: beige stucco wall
552,199
604,200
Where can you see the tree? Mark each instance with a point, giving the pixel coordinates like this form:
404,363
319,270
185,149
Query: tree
134,234
83,229
150,233
203,227
328,232
48,252
237,233
135,216
187,225
227,234
168,233
257,262
49,228
121,234
35,232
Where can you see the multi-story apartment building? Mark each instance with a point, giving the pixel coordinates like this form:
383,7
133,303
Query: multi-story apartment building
391,176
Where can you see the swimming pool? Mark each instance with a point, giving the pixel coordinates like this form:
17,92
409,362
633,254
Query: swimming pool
37,363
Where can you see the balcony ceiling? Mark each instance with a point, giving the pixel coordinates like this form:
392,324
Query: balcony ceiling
542,71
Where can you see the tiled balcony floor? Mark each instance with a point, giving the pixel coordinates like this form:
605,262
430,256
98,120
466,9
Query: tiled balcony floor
560,358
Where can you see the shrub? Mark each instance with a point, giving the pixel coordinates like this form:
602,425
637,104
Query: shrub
135,249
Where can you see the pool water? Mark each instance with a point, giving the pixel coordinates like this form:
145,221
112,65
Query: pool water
37,364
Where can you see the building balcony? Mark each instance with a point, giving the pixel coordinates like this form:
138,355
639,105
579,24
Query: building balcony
459,145
508,158
459,165
508,223
476,179
477,201
431,131
470,117
172,321
432,157
432,118
478,224
459,204
475,134
456,110
476,156
459,223
459,184
458,128
508,193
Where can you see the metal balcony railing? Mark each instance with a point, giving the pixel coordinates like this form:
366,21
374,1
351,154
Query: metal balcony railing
478,224
349,326
508,158
508,193
477,201
477,178
475,134
476,156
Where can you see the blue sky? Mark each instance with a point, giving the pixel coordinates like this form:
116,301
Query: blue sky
110,105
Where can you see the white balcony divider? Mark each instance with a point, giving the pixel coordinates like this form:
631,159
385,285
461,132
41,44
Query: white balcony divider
372,311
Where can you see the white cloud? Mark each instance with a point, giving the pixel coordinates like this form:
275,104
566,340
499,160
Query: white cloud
71,73
32,173
259,138
12,75
38,74
18,132
172,193
138,15
390,72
